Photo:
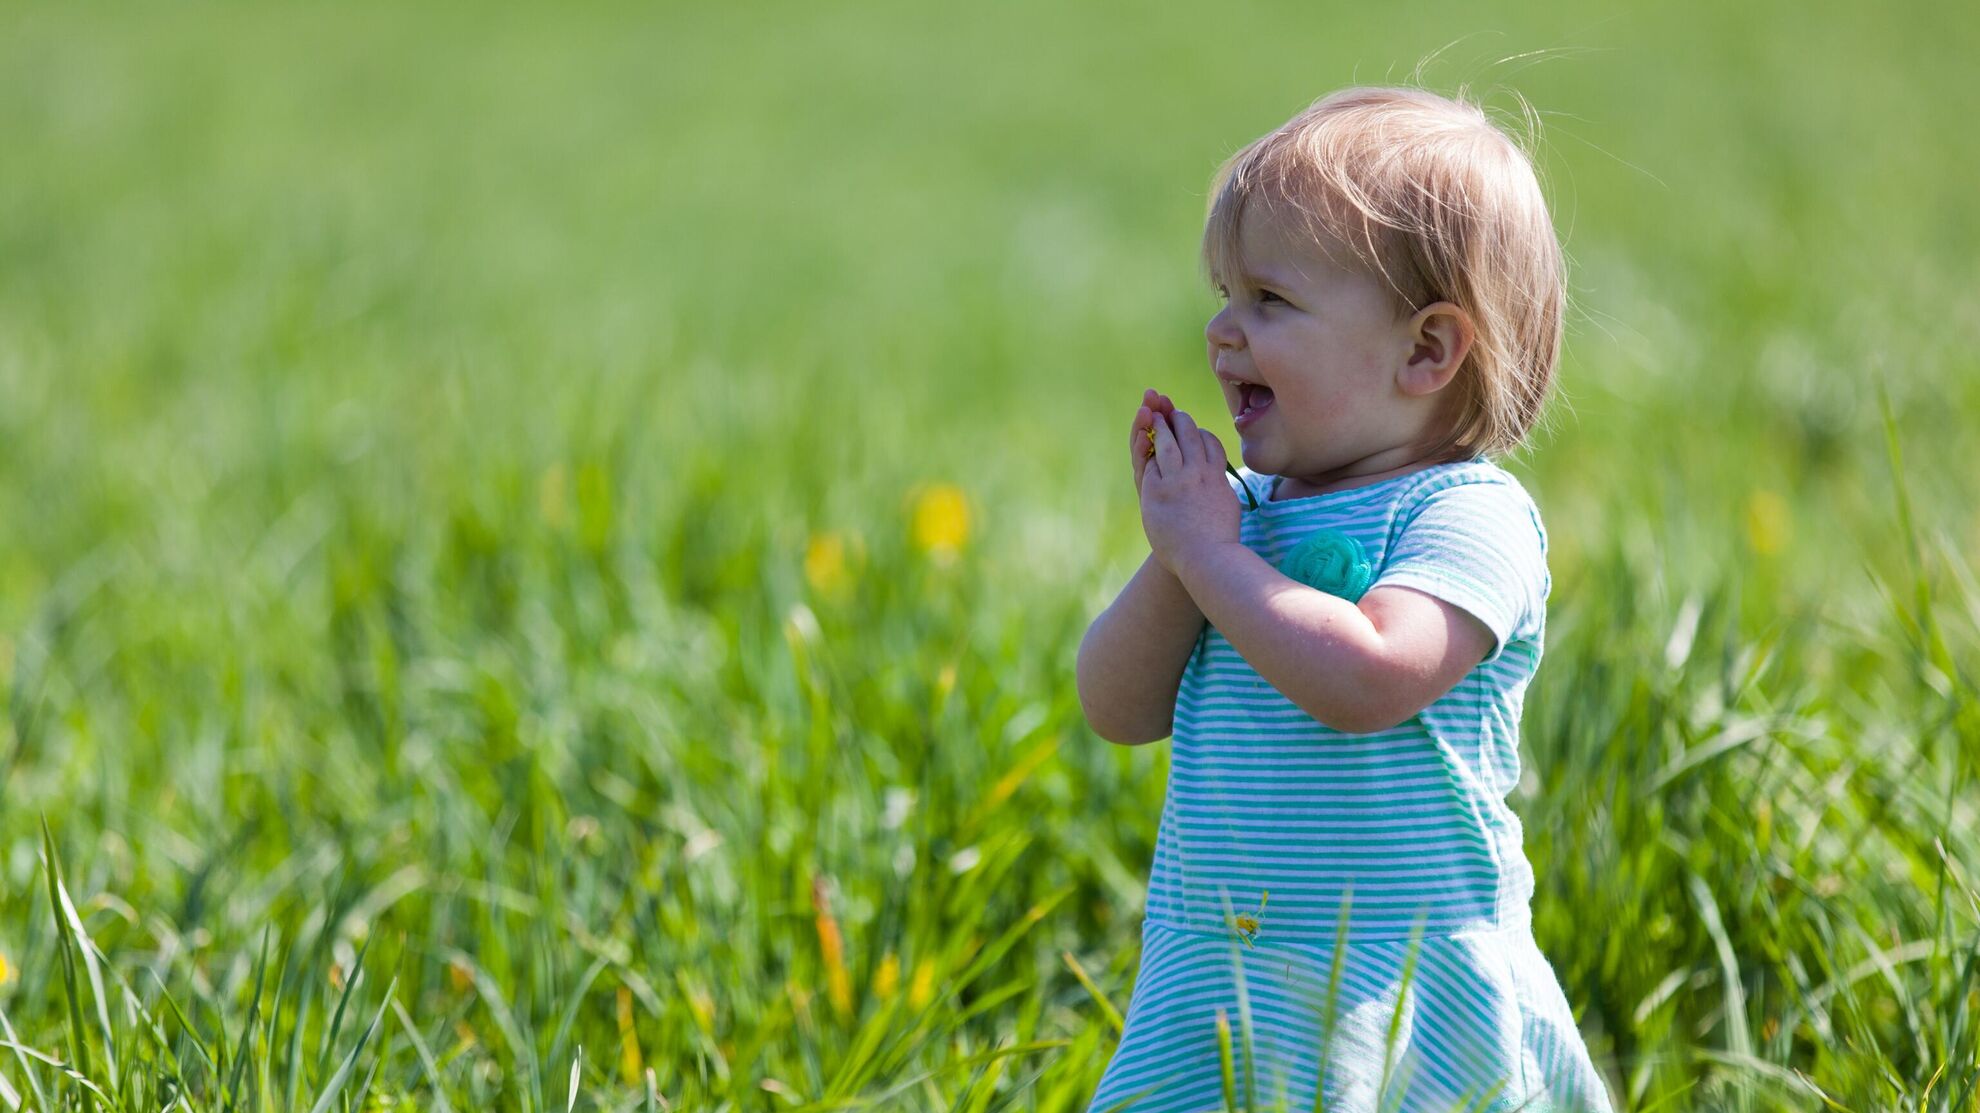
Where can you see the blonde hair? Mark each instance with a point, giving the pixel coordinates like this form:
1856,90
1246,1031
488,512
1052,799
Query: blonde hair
1438,202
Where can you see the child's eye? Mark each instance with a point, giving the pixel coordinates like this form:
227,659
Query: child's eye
1267,295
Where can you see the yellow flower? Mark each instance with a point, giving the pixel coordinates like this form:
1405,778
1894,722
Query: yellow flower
1767,522
829,559
887,979
1246,924
631,1064
923,986
940,524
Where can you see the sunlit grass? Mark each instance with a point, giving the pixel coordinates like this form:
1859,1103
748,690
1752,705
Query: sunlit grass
544,554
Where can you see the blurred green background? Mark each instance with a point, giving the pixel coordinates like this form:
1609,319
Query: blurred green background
591,512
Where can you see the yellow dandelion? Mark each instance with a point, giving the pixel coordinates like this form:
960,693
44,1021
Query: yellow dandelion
887,979
5,970
459,976
828,561
923,986
940,520
1767,522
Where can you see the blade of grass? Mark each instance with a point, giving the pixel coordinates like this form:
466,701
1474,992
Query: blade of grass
425,1058
505,1022
1243,1006
247,1029
27,1069
1396,1015
1224,1062
186,1029
265,1066
292,1061
87,948
377,1062
886,1097
65,944
337,1018
572,1006
1009,939
1107,1010
861,1058
336,1083
1327,1009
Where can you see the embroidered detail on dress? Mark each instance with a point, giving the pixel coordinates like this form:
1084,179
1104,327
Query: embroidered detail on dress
1331,562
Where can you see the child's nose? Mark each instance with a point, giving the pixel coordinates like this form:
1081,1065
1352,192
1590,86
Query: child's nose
1222,330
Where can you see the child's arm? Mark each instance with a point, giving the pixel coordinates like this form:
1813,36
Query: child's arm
1356,668
1131,660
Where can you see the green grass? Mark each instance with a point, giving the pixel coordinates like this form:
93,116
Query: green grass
413,427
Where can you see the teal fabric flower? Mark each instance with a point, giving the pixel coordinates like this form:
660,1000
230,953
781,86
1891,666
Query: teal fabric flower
1332,562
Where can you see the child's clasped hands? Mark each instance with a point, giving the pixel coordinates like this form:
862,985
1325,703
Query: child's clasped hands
1179,471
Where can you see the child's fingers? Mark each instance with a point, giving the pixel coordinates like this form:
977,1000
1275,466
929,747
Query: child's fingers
1213,450
1187,439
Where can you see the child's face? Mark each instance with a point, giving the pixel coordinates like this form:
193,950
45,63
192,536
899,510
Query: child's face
1325,344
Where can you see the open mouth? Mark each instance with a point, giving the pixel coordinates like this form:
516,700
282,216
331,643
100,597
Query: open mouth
1253,401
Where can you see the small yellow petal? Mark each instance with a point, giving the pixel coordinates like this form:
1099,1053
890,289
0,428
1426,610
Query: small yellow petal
923,986
940,520
826,565
887,979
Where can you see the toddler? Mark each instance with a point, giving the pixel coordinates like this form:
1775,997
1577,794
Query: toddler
1339,635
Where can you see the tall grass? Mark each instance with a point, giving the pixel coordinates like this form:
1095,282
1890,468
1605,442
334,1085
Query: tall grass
486,621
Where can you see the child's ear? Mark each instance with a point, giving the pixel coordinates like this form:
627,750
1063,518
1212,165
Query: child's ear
1439,334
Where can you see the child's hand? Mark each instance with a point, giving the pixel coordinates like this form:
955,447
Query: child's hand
1185,500
1141,438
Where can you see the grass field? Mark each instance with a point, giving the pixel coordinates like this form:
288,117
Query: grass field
544,553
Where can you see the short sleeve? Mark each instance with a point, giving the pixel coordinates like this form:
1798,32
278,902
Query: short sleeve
1478,546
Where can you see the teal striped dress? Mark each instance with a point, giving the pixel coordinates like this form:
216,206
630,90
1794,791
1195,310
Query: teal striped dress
1367,894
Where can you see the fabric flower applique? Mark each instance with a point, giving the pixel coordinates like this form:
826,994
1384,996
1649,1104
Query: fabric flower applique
1331,562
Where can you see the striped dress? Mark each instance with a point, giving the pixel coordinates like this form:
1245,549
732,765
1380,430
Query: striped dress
1363,893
